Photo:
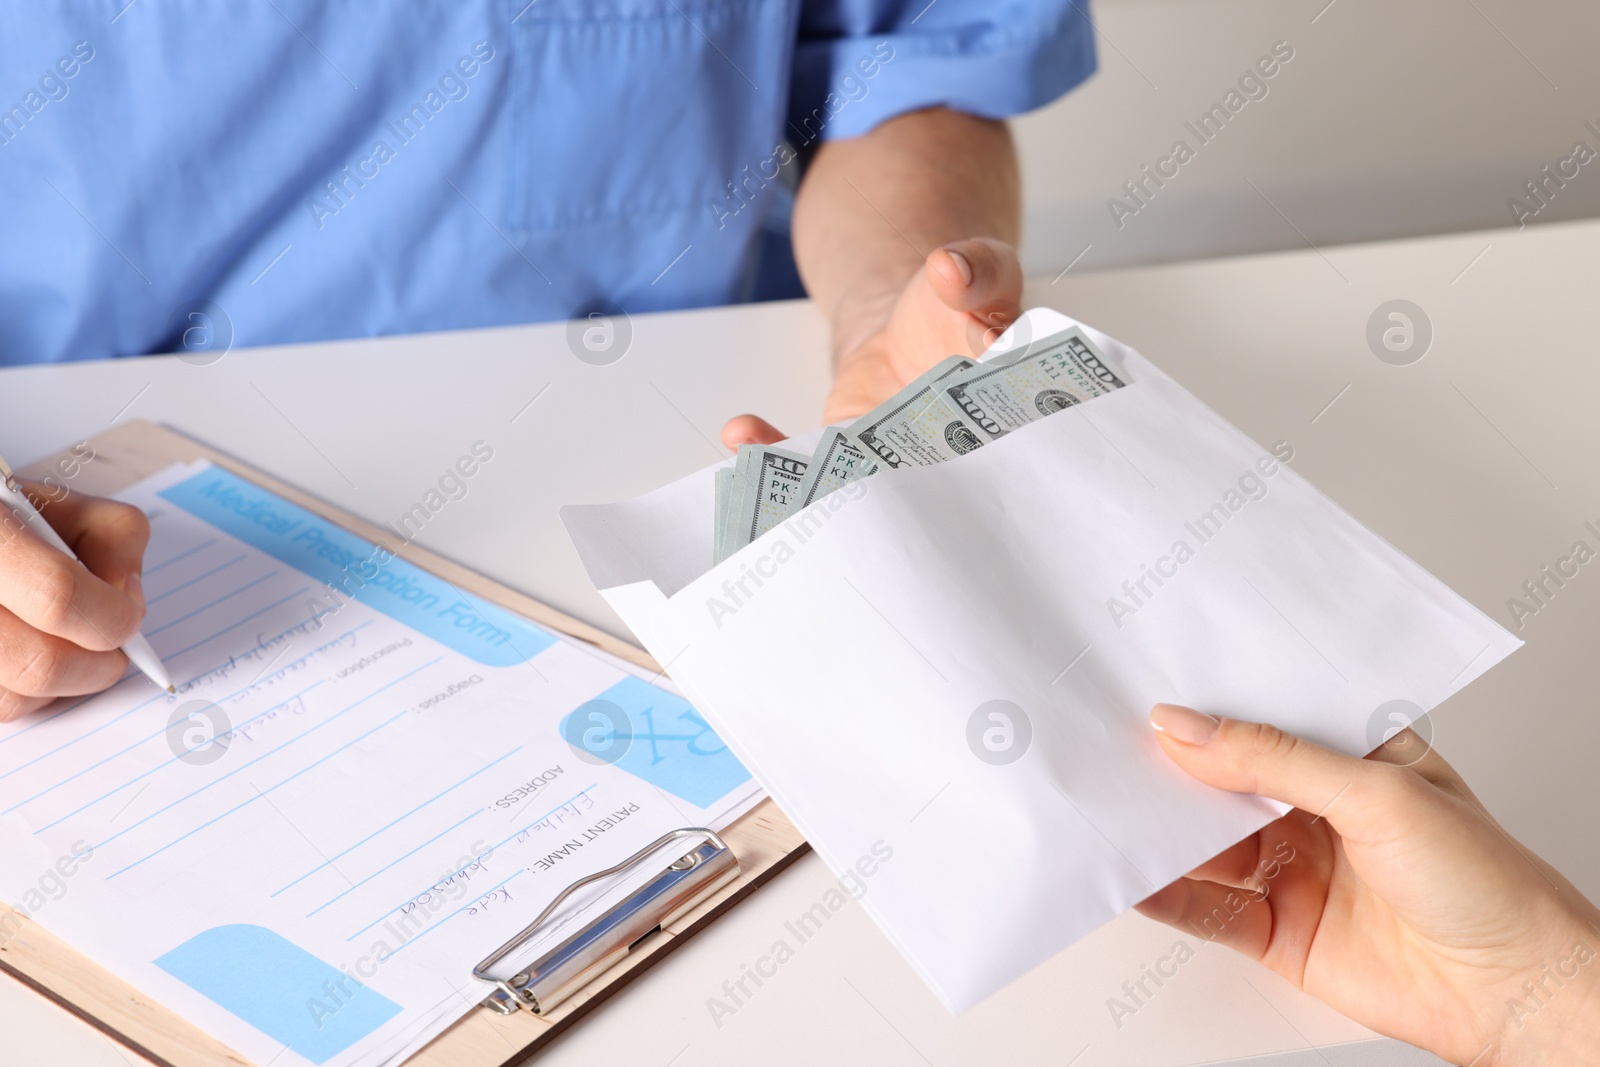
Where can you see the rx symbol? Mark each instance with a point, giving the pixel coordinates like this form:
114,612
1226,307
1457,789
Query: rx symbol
693,741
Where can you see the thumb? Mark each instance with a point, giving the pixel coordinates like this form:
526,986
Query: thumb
1248,757
749,430
982,277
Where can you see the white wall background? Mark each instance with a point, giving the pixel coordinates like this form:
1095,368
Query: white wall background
1395,118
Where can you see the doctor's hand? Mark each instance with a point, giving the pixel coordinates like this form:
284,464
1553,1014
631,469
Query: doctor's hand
960,300
61,621
1391,894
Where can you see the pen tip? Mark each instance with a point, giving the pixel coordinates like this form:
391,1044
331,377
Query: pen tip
172,690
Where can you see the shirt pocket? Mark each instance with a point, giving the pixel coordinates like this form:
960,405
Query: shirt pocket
636,107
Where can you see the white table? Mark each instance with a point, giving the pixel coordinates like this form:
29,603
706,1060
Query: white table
1477,461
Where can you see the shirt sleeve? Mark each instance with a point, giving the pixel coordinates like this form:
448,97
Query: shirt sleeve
861,62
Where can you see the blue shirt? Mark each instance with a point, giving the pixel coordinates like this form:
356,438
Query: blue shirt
299,170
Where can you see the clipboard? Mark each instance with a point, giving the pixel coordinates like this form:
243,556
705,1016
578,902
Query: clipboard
763,839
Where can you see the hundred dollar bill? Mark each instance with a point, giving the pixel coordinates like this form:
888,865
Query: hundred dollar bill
998,397
837,462
738,479
916,427
765,484
741,484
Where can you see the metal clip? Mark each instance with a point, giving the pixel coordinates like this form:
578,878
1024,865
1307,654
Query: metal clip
685,882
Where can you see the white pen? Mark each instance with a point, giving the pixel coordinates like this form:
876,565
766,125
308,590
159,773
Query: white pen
138,650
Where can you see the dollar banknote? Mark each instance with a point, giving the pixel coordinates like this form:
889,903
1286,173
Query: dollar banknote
1005,394
837,462
764,492
916,426
955,407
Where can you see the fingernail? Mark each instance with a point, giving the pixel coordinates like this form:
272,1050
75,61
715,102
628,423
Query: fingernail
962,264
134,587
1184,724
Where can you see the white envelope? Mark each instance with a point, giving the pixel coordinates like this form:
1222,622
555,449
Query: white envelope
850,658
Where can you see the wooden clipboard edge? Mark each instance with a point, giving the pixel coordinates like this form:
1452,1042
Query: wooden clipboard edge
68,1006
137,449
59,973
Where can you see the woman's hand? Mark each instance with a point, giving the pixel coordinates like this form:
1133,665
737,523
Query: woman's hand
1392,895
